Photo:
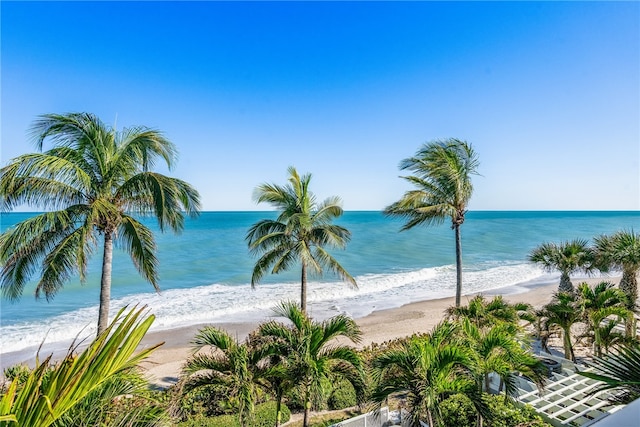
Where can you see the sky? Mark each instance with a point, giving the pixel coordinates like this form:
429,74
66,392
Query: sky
547,93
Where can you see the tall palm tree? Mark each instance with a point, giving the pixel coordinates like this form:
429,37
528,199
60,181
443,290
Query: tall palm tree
427,369
598,303
312,353
622,250
91,183
567,257
562,312
228,363
442,173
299,234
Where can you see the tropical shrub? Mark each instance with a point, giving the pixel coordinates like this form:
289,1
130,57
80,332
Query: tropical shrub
51,391
458,410
123,400
19,372
342,396
264,416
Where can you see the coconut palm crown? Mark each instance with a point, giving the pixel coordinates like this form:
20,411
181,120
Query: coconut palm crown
299,234
622,250
568,257
442,171
91,184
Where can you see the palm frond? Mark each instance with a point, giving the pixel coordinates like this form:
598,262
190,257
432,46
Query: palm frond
138,241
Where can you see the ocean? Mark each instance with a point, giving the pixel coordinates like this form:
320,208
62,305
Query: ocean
205,271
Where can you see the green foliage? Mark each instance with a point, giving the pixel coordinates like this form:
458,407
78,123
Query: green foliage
567,257
89,185
342,396
123,400
442,171
427,369
50,393
300,233
17,372
206,401
265,416
458,411
228,363
309,355
620,373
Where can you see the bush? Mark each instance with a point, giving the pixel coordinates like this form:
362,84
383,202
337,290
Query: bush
342,396
206,401
457,410
265,416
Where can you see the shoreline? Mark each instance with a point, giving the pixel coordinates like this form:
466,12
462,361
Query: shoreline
164,365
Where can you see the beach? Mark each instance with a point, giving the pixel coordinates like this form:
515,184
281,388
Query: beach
163,367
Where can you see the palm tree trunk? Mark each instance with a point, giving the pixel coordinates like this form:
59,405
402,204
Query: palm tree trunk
105,283
307,407
429,418
303,289
597,340
278,407
458,264
568,348
565,283
629,285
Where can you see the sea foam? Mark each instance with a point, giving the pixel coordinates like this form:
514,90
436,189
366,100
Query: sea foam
218,303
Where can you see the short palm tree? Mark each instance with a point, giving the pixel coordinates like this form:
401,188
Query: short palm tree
91,184
442,173
485,313
567,257
562,312
620,373
599,302
428,369
622,250
500,349
227,363
299,234
274,375
311,353
49,393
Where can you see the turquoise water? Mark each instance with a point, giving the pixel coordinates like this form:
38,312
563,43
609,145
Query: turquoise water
205,271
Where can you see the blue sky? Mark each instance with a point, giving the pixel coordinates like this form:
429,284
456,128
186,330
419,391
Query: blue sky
548,93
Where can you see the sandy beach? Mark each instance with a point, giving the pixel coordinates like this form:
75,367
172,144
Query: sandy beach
163,367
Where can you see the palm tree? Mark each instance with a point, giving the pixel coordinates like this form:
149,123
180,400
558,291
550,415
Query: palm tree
500,349
47,394
427,369
229,363
622,250
598,303
620,371
91,183
567,257
274,375
563,313
486,313
299,234
442,174
312,354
